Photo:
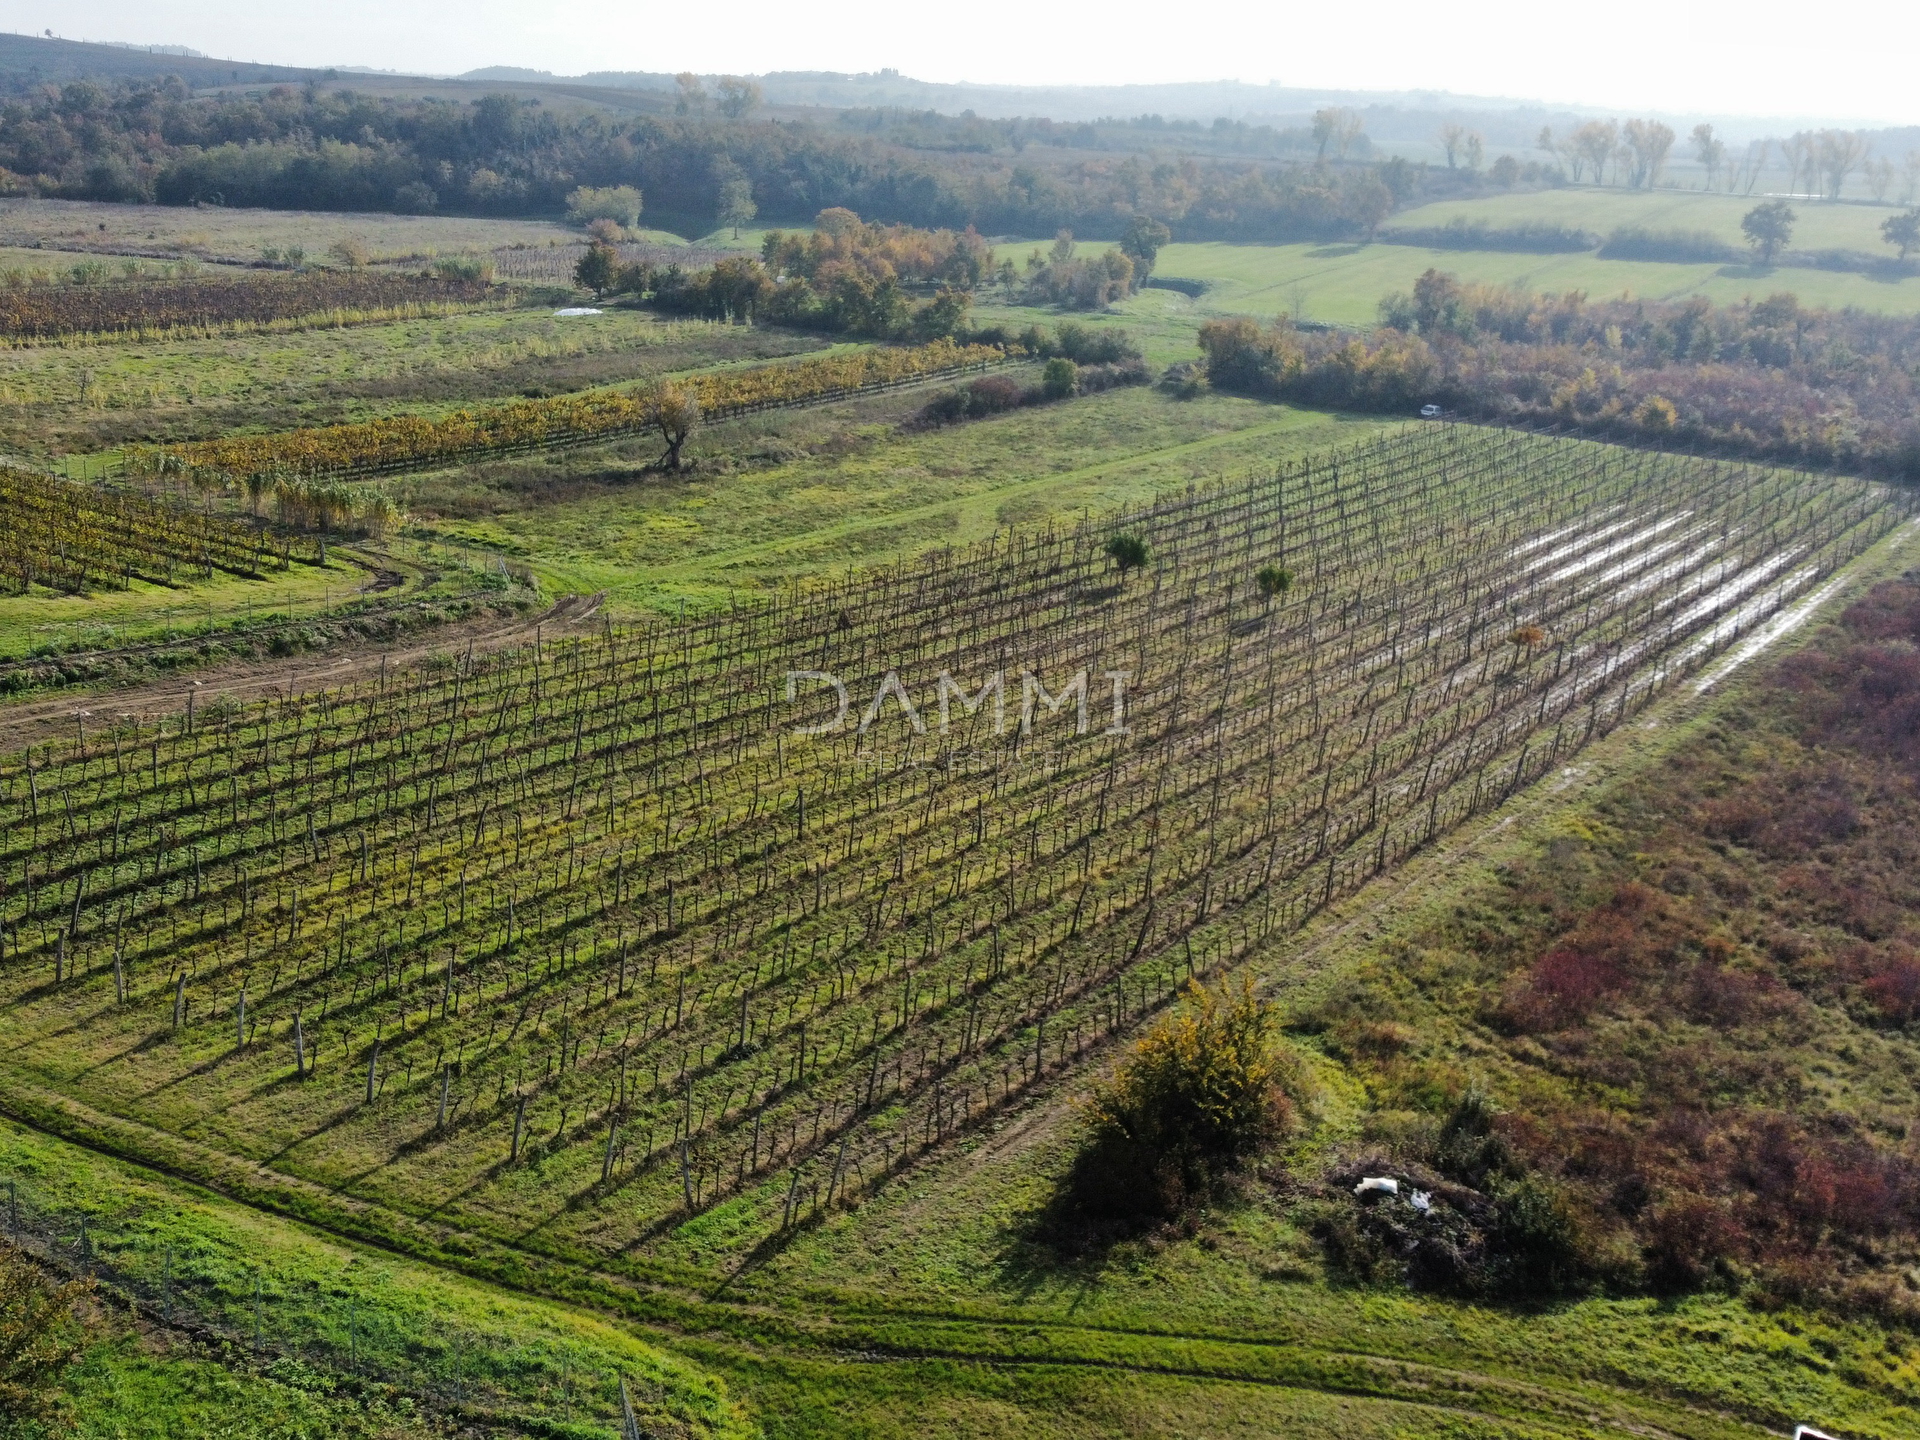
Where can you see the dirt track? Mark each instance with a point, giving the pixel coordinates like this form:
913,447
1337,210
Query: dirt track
32,721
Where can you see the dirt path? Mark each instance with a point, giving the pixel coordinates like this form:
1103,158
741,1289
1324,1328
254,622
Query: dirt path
32,721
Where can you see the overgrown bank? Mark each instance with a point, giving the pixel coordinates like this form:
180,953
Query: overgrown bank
1674,1050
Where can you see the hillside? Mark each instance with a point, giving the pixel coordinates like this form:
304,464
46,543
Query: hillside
29,61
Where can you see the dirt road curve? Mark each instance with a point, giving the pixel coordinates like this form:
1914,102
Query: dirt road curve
32,721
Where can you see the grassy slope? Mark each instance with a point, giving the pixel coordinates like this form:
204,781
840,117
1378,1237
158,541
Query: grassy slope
865,493
1343,284
1603,209
324,1300
133,1386
428,575
45,620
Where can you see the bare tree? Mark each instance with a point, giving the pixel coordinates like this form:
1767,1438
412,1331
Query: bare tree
1910,177
1798,151
1879,175
1352,129
1476,150
1647,143
1841,153
1748,174
691,95
738,96
1452,136
1336,128
1547,143
1709,151
1594,142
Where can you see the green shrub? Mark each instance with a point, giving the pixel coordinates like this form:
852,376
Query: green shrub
1274,580
1200,1092
1058,379
618,203
464,267
40,1336
1129,552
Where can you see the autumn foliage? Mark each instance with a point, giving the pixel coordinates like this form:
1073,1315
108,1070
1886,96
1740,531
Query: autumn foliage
1770,379
401,442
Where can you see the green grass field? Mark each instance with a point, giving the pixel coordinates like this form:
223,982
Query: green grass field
856,490
1344,284
412,1329
1852,225
47,622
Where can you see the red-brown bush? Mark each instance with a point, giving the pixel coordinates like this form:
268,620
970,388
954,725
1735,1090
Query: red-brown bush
1686,1238
1592,961
1896,988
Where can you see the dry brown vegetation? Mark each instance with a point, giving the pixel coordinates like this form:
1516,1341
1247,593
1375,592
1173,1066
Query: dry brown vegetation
1696,1011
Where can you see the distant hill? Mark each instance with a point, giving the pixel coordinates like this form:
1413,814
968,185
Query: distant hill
29,60
1399,120
1193,100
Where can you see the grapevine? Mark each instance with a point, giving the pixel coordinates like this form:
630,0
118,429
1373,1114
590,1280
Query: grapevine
75,538
597,909
403,442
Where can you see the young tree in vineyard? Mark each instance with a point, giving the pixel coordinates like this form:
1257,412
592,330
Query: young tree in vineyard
598,268
1128,552
1274,580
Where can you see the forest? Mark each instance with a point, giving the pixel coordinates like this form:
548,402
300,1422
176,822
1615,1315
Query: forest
315,147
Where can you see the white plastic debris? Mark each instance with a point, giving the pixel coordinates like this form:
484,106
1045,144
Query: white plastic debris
1421,1201
577,310
1807,1432
1377,1185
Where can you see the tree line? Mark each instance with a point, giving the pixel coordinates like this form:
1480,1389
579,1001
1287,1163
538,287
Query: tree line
313,147
1771,378
849,276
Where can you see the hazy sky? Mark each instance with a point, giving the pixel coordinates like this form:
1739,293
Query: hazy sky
1844,58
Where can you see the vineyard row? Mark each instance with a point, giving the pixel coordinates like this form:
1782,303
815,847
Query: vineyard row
586,938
